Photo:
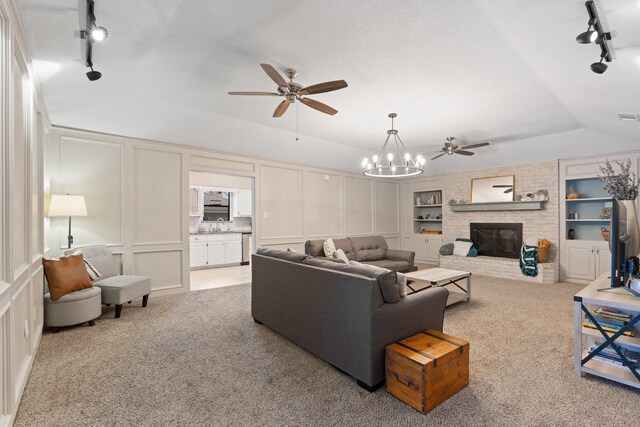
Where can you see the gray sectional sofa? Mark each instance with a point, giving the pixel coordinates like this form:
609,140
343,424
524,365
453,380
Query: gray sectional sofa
337,311
371,250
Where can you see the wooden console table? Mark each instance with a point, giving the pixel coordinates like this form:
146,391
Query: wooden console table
589,299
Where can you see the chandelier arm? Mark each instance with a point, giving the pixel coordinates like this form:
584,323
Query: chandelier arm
380,156
400,155
411,162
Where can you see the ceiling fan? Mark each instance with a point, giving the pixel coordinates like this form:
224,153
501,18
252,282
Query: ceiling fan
451,147
509,188
292,91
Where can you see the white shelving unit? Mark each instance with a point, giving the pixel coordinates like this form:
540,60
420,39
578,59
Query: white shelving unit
427,246
593,297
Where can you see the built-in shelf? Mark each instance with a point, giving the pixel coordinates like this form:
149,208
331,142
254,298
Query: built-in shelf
499,206
589,199
428,220
427,206
589,220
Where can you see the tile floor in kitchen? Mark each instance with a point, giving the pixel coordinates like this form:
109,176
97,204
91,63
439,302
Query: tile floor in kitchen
210,278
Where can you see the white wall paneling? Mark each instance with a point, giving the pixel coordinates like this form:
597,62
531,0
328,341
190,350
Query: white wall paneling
324,208
358,206
386,208
93,169
281,203
157,196
23,124
164,267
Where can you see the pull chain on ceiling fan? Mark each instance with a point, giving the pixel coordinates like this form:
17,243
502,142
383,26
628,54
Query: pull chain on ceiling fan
292,91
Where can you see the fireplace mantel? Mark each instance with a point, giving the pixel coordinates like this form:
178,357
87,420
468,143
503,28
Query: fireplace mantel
498,206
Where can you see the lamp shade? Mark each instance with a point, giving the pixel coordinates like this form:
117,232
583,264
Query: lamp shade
67,205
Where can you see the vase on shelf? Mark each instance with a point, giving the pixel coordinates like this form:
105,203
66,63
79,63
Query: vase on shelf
633,227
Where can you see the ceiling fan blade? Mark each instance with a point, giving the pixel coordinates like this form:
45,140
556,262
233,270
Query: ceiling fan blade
281,108
317,105
439,155
503,186
275,76
508,190
464,153
324,87
254,93
480,144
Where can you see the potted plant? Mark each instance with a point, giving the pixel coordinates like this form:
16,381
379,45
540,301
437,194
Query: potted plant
623,185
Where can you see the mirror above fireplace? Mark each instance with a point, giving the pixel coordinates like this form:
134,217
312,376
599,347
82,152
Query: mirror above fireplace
492,189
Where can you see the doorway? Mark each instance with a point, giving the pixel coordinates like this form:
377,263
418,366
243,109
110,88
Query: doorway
221,229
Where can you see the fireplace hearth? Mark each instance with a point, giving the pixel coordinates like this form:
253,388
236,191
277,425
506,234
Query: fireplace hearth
497,239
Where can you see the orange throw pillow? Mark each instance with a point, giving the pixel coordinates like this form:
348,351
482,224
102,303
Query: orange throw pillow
65,275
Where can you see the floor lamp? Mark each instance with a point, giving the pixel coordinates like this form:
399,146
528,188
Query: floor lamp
67,205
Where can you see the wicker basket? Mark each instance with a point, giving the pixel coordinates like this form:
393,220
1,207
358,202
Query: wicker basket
543,254
605,234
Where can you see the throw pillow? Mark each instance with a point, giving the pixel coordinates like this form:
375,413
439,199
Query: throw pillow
388,283
339,254
329,248
402,284
473,251
93,272
446,249
461,248
65,275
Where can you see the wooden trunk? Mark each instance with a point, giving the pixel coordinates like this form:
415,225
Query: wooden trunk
426,369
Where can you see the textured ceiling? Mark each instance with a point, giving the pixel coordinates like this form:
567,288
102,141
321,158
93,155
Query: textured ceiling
481,70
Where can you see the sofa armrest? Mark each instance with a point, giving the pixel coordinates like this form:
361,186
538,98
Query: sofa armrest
399,255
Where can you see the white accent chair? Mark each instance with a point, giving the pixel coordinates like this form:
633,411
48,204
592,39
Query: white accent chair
117,288
72,309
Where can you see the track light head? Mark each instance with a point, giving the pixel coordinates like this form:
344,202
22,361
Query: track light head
93,75
99,34
599,67
587,37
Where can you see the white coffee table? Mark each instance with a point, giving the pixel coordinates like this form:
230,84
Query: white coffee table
442,277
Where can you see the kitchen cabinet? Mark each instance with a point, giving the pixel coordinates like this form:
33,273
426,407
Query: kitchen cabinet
196,201
427,247
215,249
243,203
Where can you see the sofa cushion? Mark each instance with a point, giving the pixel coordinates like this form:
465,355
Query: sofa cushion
340,255
316,247
390,264
387,280
369,248
285,255
74,296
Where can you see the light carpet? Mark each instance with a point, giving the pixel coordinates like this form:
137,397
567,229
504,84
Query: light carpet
198,359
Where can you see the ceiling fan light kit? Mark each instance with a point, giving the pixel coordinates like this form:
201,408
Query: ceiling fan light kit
596,34
293,91
393,161
92,34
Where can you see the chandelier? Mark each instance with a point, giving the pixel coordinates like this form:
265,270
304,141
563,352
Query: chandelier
393,161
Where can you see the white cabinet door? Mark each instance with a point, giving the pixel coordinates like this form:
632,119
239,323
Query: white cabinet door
216,253
196,203
198,254
233,252
579,261
603,259
419,246
244,202
433,248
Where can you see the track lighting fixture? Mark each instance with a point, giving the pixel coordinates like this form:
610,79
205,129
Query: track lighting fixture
92,34
93,75
599,67
595,34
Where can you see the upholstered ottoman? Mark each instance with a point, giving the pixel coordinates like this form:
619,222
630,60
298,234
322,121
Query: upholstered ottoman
73,309
117,290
